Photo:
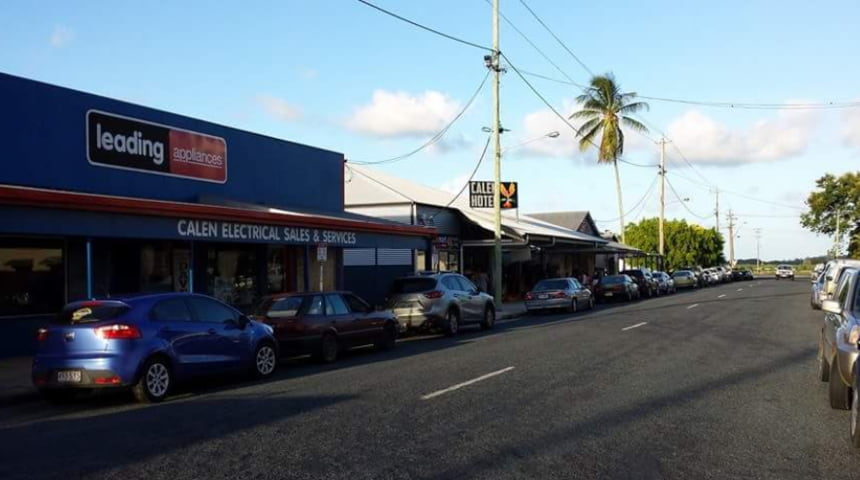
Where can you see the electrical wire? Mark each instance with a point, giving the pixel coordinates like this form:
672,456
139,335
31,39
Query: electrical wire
580,62
627,214
537,49
424,27
684,204
435,138
637,164
465,185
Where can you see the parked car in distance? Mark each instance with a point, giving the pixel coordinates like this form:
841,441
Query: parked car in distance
698,273
323,324
665,284
147,342
559,293
839,334
747,275
643,278
832,273
443,301
784,271
685,279
815,297
617,287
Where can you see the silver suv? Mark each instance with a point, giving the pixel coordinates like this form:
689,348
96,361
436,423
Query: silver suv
439,301
784,271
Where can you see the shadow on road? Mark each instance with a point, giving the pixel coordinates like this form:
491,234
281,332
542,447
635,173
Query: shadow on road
97,443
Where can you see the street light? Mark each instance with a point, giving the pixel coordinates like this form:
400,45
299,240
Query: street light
546,135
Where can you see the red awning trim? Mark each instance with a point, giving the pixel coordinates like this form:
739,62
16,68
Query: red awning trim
59,199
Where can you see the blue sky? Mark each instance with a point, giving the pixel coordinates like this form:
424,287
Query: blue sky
339,75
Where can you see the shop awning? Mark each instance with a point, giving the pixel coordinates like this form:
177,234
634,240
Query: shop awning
56,212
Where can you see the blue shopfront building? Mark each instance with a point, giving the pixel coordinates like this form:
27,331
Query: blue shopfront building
100,197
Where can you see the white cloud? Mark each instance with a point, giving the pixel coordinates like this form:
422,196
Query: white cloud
703,140
399,114
454,185
61,36
851,128
537,125
279,108
308,73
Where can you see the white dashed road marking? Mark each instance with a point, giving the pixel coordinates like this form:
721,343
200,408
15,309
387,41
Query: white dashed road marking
693,306
466,383
740,289
721,296
634,326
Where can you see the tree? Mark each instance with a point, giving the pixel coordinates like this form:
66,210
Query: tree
605,109
686,244
835,197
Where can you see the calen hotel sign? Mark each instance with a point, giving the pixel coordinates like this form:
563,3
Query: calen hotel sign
481,195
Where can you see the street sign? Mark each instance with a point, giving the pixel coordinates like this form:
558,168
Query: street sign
481,195
322,253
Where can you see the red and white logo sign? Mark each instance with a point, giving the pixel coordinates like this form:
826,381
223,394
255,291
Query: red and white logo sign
133,144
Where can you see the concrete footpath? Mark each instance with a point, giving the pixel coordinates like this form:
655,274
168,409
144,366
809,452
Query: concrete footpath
16,386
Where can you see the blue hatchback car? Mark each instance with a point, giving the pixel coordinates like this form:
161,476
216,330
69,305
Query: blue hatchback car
148,342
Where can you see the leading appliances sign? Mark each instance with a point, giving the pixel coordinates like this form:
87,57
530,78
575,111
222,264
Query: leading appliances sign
131,144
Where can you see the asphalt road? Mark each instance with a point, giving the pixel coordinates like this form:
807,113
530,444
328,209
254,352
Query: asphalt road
719,383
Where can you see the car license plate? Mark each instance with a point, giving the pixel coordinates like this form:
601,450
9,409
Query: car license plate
608,294
543,297
69,376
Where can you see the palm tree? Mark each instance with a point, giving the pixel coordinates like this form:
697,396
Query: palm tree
605,109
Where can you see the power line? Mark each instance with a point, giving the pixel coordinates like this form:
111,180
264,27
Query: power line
474,171
730,105
627,214
424,27
580,62
637,164
684,204
438,136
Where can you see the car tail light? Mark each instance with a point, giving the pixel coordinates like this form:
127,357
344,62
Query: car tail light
433,294
529,296
42,335
118,332
854,335
114,380
559,295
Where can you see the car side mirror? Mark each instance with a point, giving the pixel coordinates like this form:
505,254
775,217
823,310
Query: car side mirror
831,306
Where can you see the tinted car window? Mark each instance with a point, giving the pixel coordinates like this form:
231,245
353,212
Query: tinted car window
89,312
171,310
316,306
551,285
451,283
575,283
335,305
285,307
466,285
210,311
634,273
356,304
842,295
412,285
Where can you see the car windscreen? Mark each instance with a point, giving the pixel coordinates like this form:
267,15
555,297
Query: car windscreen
412,285
551,285
634,273
612,280
682,273
90,312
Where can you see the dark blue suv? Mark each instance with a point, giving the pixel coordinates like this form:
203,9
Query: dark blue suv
148,342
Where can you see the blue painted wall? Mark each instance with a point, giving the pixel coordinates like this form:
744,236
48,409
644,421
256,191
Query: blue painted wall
43,133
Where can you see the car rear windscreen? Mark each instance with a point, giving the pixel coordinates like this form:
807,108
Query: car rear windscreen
412,285
612,280
551,285
90,312
634,273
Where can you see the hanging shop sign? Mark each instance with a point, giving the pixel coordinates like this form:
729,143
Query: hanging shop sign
481,195
132,144
230,231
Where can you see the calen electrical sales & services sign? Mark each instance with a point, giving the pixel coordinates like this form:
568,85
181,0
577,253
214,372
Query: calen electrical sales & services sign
232,231
133,144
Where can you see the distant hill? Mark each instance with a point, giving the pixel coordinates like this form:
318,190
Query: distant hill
794,261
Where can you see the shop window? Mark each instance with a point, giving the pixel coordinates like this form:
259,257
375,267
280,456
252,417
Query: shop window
32,277
156,269
276,272
232,275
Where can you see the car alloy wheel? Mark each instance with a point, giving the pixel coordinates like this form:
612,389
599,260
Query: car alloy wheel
591,303
266,359
855,412
452,323
489,318
329,348
155,381
388,340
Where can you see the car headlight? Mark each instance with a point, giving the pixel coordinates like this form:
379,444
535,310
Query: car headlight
854,335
